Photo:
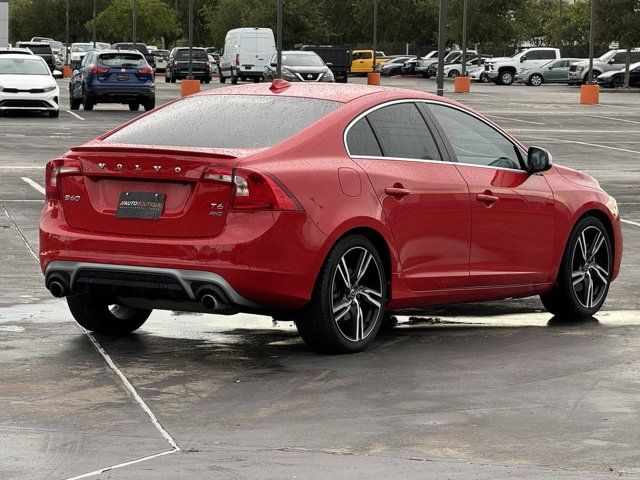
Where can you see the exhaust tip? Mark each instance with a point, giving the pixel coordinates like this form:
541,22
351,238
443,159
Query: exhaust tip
56,289
209,301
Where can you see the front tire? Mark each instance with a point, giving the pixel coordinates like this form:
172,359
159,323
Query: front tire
535,80
101,316
453,73
584,276
505,78
348,302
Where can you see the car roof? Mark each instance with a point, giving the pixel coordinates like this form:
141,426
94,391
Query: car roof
336,92
16,51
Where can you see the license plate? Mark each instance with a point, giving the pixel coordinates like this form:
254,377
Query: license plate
123,76
144,205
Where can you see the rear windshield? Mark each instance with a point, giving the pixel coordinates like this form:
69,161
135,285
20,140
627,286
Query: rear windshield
141,47
40,49
184,55
225,121
122,59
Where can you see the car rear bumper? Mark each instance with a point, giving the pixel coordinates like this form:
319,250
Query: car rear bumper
109,93
253,255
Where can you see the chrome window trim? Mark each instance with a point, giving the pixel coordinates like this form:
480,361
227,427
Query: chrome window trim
432,102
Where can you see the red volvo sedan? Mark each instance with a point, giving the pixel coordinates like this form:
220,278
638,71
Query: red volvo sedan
332,206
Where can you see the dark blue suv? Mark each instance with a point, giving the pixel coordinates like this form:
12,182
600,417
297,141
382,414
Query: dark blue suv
113,76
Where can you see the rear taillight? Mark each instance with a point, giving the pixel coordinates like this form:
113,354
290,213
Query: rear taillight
237,59
146,70
98,69
56,169
252,190
174,64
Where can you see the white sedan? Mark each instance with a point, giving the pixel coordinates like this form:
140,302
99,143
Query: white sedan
26,83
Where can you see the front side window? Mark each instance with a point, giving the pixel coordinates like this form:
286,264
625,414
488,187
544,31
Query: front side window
402,132
474,142
225,121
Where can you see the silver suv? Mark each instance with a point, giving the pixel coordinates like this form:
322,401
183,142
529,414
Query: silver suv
612,60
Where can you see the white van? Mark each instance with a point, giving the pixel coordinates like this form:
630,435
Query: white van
246,53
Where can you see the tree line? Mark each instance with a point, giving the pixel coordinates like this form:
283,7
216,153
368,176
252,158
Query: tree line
497,27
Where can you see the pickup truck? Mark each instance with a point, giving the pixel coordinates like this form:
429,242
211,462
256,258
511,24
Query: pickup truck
503,70
337,58
362,60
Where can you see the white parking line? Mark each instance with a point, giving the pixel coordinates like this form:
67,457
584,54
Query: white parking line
120,465
615,119
630,222
588,144
21,167
560,130
74,114
35,185
515,119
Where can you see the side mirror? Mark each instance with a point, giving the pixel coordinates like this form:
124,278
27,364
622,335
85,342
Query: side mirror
76,72
612,61
57,74
329,64
523,58
538,160
273,64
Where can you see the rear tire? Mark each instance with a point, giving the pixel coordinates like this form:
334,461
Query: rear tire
166,77
149,104
134,106
74,103
87,102
348,302
223,79
54,113
101,316
583,278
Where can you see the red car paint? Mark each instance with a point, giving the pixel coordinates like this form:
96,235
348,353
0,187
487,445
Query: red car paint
445,242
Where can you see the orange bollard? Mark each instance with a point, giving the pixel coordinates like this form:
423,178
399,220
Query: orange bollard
189,87
373,78
589,94
462,85
66,71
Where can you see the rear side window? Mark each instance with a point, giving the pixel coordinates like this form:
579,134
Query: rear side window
225,121
40,49
122,59
403,133
362,141
635,57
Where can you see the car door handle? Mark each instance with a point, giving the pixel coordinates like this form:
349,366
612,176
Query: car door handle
397,192
487,198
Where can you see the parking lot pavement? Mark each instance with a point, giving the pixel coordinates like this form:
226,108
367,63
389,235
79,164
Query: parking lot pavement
486,391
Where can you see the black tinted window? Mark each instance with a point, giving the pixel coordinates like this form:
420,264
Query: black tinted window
402,132
547,54
225,121
40,49
122,59
635,57
197,54
620,57
474,141
362,141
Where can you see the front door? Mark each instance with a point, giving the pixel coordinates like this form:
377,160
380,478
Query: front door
425,199
512,211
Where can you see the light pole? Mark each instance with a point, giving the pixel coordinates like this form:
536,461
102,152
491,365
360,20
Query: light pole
375,32
94,24
67,29
135,20
560,26
592,38
279,39
464,38
442,26
190,75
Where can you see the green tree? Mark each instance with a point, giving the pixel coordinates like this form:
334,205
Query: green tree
155,20
619,20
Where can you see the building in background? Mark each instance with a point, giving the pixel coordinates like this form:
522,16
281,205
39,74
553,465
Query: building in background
4,23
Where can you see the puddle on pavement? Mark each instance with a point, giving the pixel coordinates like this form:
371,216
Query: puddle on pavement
225,329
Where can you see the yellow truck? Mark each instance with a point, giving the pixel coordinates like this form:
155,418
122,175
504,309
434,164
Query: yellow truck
362,60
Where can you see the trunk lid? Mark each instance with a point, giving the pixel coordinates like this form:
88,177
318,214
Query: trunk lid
193,206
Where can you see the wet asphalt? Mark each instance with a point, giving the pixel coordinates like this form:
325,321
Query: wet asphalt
486,391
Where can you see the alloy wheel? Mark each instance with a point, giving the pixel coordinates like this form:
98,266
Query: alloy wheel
357,294
536,80
590,267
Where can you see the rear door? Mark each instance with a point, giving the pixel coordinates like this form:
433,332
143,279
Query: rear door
512,211
424,197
